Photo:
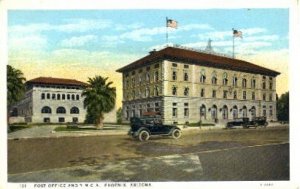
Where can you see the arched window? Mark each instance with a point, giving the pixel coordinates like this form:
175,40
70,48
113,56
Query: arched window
214,78
73,97
244,111
225,112
244,83
63,96
43,96
60,110
74,110
235,112
77,97
58,96
214,112
46,110
202,76
203,112
225,80
234,81
156,91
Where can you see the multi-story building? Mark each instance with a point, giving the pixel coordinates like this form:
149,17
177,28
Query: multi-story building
186,85
53,100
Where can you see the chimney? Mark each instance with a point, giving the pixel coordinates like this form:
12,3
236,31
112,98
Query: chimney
152,52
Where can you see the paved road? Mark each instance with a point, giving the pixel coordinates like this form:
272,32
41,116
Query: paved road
38,154
266,162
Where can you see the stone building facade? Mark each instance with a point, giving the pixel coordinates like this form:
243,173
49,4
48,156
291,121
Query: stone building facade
51,100
184,85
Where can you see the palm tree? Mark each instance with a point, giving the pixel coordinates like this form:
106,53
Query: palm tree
100,98
15,86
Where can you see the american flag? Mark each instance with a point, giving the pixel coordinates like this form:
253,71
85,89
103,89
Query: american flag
237,33
172,23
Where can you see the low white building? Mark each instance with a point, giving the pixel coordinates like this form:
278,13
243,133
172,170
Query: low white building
51,100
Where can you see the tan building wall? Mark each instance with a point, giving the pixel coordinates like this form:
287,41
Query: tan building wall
151,87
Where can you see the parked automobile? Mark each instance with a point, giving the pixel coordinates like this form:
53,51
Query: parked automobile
246,123
144,128
238,122
258,121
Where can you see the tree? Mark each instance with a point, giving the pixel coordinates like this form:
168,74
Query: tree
15,86
100,98
283,107
119,115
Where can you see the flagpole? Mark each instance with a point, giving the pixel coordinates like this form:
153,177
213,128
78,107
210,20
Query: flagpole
167,31
232,43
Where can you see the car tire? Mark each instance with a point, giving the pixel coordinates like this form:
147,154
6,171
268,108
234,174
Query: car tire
176,133
144,135
256,125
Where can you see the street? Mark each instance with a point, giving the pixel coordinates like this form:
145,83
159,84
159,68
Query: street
225,154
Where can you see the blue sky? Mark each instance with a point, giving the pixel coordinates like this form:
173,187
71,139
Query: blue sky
142,29
83,43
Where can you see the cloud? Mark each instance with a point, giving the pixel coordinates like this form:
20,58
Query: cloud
78,41
70,25
189,27
36,42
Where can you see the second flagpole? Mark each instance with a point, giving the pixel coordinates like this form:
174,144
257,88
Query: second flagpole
166,31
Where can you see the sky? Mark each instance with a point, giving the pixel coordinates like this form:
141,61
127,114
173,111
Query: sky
78,44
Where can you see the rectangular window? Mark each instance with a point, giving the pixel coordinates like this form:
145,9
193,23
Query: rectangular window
234,95
186,76
264,96
186,91
244,95
214,93
174,75
186,112
271,97
271,111
225,94
253,95
156,76
174,90
61,119
174,112
174,65
46,120
156,66
186,66
271,85
75,119
48,96
202,94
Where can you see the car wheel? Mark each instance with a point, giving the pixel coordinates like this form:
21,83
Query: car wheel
256,125
144,135
176,133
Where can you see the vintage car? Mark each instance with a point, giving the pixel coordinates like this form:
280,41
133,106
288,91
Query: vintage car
258,121
238,122
246,123
144,128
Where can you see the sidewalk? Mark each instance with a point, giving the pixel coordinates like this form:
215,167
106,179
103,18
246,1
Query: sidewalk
49,131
